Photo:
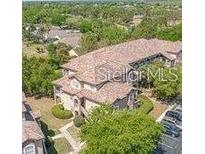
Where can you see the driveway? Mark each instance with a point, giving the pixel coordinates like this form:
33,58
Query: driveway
169,145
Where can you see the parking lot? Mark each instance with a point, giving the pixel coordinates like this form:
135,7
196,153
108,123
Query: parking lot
169,145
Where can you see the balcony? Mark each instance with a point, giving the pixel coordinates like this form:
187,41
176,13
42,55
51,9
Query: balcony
57,92
84,111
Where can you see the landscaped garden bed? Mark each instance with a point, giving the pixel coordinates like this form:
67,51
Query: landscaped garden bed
60,112
145,103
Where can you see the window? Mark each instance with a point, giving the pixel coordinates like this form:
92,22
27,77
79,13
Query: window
65,72
116,106
131,97
75,103
30,149
83,104
75,84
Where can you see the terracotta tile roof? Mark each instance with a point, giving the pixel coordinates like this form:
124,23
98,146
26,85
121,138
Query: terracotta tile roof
71,39
30,127
61,82
65,36
112,58
23,97
123,54
110,91
31,131
23,108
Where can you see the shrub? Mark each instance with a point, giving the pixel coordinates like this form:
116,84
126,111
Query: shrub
48,141
78,121
146,104
59,112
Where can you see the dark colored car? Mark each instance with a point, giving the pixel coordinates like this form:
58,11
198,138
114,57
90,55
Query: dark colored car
173,121
174,114
170,129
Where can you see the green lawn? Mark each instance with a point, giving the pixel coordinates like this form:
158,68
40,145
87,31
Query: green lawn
146,104
60,146
31,49
50,123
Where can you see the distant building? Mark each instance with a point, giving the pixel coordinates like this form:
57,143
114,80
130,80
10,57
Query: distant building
69,37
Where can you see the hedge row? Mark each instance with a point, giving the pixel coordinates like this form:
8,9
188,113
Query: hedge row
59,112
146,104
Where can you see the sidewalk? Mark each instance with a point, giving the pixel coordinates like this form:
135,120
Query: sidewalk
64,133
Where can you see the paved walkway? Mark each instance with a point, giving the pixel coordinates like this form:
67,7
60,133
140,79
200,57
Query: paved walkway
65,133
57,136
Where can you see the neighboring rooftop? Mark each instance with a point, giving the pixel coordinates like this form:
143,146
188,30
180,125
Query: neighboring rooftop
69,37
31,131
30,127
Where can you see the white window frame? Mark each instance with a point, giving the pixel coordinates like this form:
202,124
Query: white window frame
75,84
131,97
117,106
30,145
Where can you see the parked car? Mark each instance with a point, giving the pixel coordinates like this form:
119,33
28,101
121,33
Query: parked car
170,129
173,121
174,114
178,108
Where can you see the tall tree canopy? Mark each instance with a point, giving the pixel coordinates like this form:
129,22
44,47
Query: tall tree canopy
170,85
38,75
166,81
120,131
172,33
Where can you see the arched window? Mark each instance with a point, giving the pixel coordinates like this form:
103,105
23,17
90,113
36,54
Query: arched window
75,102
30,149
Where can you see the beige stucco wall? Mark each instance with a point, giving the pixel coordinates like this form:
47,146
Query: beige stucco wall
75,82
39,147
89,105
125,102
67,101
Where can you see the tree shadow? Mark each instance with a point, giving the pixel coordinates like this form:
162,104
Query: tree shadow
46,130
48,140
51,149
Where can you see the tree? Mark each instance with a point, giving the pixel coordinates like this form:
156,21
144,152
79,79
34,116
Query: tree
38,76
166,81
58,54
172,34
120,131
88,42
58,19
113,34
171,85
146,29
85,26
41,79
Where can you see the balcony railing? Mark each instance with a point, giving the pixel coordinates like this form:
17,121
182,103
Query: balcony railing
84,111
57,92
